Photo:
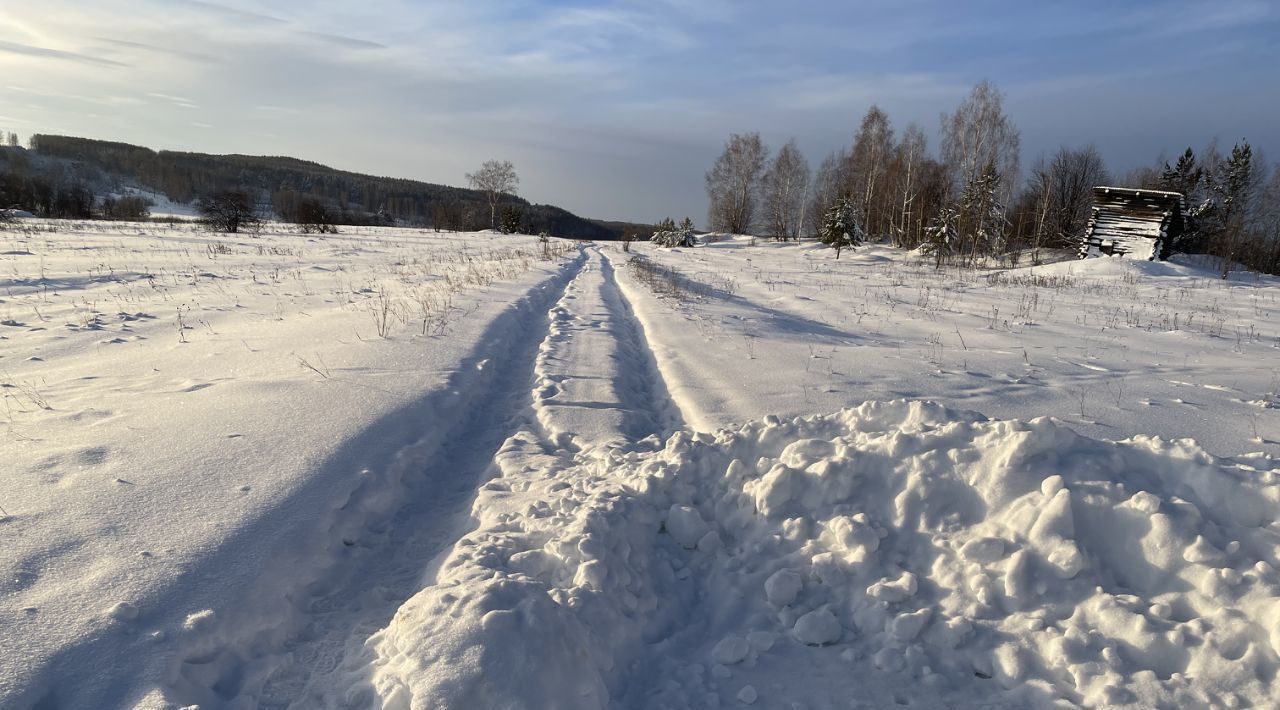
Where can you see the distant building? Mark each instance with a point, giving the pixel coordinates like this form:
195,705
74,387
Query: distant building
1138,224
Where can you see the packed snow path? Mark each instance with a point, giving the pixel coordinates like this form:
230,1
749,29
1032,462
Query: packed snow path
583,377
597,382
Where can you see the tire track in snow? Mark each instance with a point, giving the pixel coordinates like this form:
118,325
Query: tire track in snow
589,382
561,527
312,612
597,384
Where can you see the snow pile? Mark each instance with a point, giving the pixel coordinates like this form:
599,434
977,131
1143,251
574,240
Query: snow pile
896,552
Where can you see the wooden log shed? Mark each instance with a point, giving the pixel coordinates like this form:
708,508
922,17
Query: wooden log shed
1138,224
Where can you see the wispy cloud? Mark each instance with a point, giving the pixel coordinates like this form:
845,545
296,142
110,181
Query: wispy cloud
182,53
61,55
351,42
228,11
175,100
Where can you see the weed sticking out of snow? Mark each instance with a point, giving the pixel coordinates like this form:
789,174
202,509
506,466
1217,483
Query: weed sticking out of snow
669,282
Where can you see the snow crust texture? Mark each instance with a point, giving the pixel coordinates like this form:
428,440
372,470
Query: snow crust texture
898,552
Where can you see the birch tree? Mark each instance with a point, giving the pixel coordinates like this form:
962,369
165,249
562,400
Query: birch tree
785,184
495,178
827,187
868,162
909,154
733,184
978,134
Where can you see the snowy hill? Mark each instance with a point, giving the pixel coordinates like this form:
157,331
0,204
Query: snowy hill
175,180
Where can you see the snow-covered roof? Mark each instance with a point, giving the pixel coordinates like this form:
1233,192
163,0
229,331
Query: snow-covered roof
1137,191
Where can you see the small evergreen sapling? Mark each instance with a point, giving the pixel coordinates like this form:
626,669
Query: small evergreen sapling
510,221
982,214
842,226
942,236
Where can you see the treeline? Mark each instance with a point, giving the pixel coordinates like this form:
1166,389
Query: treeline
279,185
47,193
966,202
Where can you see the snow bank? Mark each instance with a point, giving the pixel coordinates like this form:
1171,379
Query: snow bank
896,552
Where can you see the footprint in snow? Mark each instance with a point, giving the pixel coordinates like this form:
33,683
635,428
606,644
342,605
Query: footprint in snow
93,456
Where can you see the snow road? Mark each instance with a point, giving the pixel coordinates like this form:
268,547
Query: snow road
581,379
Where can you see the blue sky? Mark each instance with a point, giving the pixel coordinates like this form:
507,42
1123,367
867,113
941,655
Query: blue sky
617,109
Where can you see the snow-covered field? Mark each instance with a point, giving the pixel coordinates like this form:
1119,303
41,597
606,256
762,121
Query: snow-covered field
393,468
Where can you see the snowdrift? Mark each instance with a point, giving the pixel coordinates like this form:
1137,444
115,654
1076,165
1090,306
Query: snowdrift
897,552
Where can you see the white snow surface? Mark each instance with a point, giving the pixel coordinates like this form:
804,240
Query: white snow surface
399,469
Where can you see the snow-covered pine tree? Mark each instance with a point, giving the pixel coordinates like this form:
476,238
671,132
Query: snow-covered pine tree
510,221
1231,186
669,235
842,225
942,236
982,214
1184,176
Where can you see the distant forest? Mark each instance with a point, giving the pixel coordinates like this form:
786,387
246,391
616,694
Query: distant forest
969,200
64,176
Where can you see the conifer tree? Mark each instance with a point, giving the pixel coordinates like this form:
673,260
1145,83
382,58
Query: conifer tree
1187,177
982,213
669,235
942,236
510,222
1232,188
842,225
1184,176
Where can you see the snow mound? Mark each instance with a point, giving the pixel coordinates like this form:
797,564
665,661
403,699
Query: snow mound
899,552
